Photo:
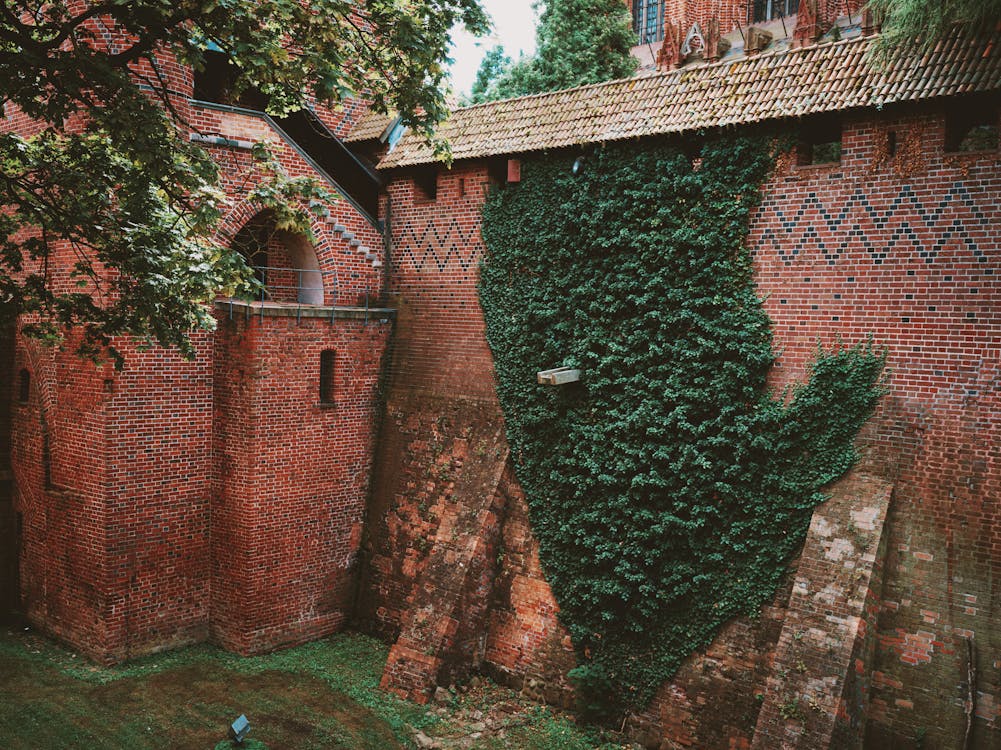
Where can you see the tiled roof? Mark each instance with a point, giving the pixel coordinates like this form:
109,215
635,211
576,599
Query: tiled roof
822,78
371,125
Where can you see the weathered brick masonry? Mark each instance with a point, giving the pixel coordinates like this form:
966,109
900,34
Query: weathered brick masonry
291,473
899,247
229,497
9,574
221,497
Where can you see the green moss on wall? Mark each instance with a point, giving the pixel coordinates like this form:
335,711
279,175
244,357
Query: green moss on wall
669,488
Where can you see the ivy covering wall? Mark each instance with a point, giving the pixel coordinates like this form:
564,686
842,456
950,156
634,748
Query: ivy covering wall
669,488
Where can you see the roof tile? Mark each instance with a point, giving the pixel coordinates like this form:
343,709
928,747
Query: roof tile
822,78
371,125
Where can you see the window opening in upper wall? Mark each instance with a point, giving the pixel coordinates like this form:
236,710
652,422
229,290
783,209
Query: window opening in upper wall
820,142
328,361
971,128
760,11
648,20
216,82
891,143
426,183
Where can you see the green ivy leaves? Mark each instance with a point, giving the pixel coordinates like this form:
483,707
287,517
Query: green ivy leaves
669,488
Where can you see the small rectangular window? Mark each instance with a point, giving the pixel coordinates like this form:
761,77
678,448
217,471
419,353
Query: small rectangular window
426,183
768,10
820,142
970,128
327,363
497,171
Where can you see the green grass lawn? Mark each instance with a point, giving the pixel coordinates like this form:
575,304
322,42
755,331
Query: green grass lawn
320,695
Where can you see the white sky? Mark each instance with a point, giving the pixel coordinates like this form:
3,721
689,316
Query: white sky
514,27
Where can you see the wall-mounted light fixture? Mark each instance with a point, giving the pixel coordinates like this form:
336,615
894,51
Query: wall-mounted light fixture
558,376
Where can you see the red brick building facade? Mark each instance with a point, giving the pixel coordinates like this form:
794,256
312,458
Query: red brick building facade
163,504
248,497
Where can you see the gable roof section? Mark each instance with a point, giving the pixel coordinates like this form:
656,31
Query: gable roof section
371,126
822,78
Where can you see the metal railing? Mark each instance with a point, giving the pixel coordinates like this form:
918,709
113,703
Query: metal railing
289,288
295,286
301,289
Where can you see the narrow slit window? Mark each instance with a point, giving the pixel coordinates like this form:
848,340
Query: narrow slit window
328,360
891,143
24,386
46,458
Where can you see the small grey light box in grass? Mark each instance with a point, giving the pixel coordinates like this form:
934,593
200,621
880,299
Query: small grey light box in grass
239,729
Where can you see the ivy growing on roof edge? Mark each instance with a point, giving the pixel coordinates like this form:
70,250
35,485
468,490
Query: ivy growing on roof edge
669,488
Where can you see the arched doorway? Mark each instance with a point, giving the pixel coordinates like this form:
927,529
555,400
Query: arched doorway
284,263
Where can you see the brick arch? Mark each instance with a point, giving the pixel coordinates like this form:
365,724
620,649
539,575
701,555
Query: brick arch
318,279
247,209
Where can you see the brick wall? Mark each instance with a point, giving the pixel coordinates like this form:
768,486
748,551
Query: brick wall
292,474
8,377
57,459
163,505
438,504
818,691
157,486
527,647
9,543
899,246
435,251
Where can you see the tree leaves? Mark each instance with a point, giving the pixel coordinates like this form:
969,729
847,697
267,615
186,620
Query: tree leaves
925,22
107,177
578,42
